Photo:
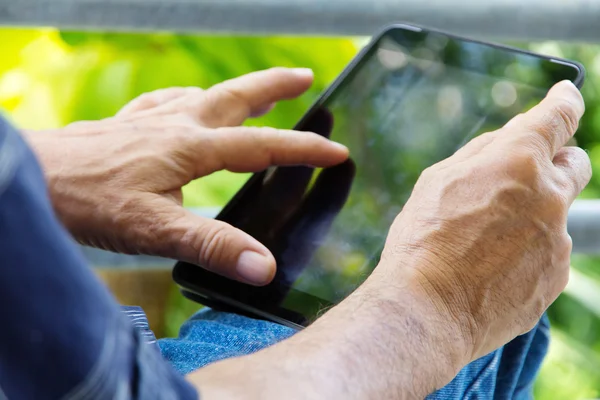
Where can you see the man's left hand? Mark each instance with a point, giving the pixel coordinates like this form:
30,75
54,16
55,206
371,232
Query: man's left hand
116,183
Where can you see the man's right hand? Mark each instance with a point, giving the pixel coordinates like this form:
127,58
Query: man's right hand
476,256
484,236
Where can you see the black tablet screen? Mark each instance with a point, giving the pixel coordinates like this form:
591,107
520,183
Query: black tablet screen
412,100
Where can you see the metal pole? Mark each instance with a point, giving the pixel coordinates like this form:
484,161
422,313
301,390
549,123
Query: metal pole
584,226
574,20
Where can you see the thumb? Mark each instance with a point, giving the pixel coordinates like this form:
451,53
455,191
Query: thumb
214,245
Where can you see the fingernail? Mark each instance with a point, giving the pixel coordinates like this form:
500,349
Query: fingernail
254,268
304,72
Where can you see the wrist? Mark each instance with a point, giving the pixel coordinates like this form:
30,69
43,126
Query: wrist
383,341
371,346
437,345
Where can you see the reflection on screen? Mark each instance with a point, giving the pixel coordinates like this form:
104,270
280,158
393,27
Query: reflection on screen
409,104
398,115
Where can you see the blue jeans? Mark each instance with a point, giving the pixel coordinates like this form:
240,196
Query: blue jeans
507,373
64,336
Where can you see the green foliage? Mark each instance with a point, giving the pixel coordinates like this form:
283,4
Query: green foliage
571,370
50,78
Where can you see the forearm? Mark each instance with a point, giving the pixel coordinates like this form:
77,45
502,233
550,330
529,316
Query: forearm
376,344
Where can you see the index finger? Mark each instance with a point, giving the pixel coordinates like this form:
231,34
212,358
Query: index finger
251,149
552,123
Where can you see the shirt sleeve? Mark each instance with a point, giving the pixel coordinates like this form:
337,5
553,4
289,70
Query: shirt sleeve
63,335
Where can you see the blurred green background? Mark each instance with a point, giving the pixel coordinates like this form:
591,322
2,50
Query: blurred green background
50,78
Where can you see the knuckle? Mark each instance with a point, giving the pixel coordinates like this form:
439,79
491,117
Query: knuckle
511,196
428,173
566,116
212,244
263,142
575,169
181,141
579,160
263,137
229,93
557,199
205,111
217,104
552,205
584,157
562,116
518,121
524,167
571,156
225,96
525,159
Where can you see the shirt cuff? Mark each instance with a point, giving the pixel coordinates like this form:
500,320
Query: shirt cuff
139,320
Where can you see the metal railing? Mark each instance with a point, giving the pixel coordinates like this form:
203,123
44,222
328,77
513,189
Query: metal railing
584,227
572,20
511,19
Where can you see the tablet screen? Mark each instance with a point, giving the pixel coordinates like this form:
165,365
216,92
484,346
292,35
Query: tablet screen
412,100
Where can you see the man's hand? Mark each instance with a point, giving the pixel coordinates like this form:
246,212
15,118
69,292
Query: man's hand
116,183
484,234
476,256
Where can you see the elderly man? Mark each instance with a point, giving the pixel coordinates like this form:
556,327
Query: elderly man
444,314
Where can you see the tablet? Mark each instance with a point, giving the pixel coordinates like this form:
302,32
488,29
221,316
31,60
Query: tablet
410,99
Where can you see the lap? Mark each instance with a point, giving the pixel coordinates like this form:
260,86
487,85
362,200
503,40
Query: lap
209,336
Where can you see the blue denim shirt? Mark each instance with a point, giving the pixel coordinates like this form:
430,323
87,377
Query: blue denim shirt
63,335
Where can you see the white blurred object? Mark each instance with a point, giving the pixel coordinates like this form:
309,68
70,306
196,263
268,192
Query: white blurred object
584,289
584,226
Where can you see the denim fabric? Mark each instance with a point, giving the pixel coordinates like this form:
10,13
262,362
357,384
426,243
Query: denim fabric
211,336
507,373
63,335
